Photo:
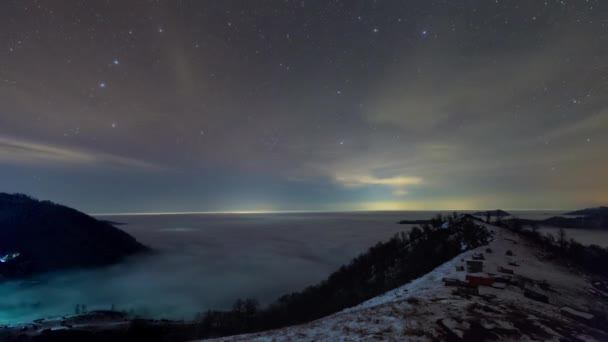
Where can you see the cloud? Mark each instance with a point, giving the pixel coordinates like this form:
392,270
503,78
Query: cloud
399,192
371,180
446,91
201,265
18,151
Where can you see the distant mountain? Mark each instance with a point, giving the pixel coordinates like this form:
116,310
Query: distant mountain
41,236
591,218
589,212
493,213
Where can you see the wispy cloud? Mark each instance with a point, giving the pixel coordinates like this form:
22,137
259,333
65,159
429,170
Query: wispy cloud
371,180
19,151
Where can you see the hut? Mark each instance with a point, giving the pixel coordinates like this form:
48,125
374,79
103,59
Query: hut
480,280
478,256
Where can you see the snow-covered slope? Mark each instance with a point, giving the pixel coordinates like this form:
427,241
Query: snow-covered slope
425,309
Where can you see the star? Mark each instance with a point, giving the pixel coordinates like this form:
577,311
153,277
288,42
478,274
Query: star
376,30
425,32
115,61
160,30
113,125
102,84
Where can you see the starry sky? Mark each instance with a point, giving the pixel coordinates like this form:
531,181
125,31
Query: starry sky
163,106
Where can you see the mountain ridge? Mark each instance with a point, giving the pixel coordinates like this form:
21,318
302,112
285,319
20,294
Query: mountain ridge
52,237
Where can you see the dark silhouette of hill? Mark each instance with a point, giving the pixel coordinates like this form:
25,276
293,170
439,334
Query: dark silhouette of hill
414,222
41,236
493,213
591,218
589,212
598,221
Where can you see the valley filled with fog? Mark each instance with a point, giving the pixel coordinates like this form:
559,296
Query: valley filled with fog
207,261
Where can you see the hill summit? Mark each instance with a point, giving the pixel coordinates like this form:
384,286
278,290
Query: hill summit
41,236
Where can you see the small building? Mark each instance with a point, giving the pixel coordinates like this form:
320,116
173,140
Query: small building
478,256
474,266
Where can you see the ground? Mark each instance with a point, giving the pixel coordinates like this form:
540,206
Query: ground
426,310
423,310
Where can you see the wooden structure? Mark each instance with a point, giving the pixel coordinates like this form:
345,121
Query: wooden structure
478,256
480,280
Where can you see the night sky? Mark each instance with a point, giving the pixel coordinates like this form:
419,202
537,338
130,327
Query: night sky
164,106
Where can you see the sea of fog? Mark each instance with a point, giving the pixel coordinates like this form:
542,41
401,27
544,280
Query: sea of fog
207,261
